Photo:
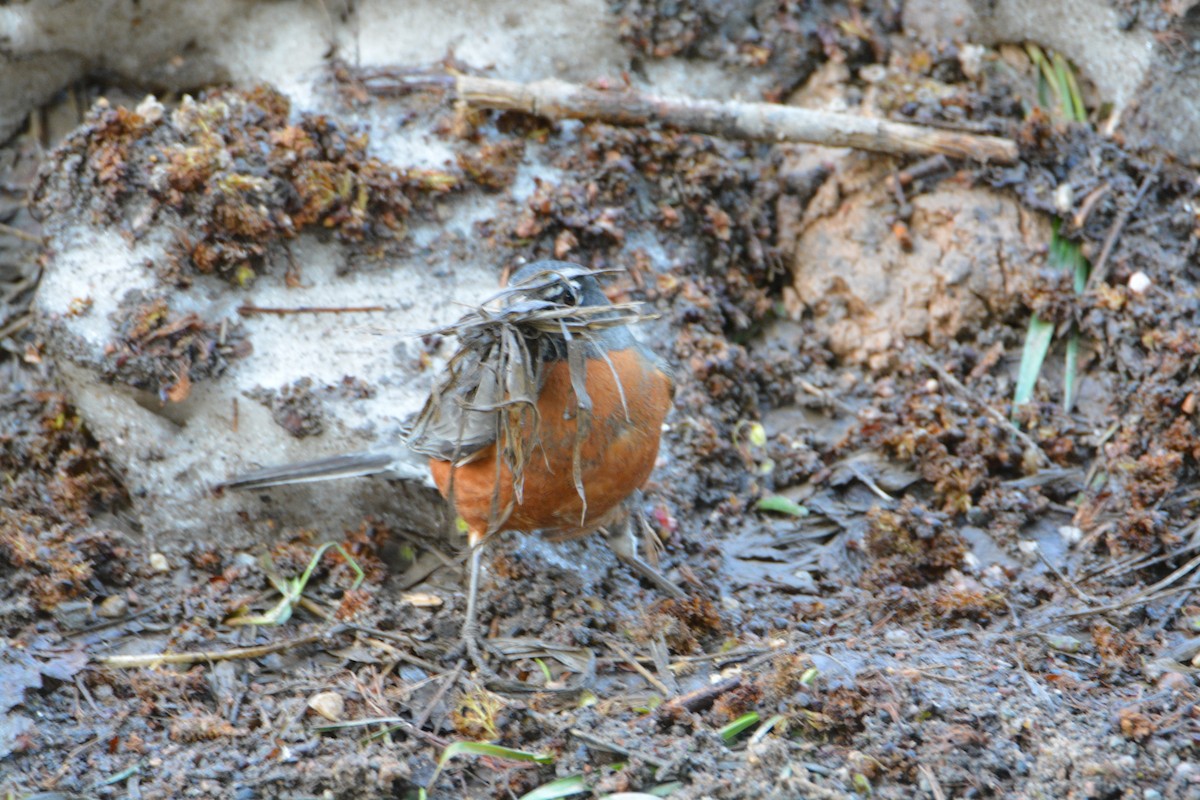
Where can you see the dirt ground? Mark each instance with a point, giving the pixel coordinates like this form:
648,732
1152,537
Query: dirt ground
952,598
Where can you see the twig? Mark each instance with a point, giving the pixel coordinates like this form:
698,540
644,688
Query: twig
769,122
591,740
935,786
661,654
701,698
397,723
726,658
155,659
1128,565
921,169
69,761
17,325
1100,268
1070,584
955,384
1153,592
20,234
650,677
1141,598
108,623
451,679
1089,203
861,474
248,310
428,666
1174,576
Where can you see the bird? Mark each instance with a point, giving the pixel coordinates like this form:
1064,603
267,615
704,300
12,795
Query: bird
547,419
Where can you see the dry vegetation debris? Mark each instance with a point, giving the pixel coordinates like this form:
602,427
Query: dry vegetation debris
991,602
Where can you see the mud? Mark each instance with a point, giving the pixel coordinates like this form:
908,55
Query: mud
966,599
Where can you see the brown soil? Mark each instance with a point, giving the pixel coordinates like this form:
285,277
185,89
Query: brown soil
980,602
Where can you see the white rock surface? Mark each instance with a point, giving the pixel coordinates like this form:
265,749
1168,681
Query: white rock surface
45,46
171,454
1089,32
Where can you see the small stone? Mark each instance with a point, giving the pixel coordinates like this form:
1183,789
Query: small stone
970,58
873,73
1139,282
150,109
159,563
113,606
805,582
1027,546
422,599
329,705
1064,199
1070,535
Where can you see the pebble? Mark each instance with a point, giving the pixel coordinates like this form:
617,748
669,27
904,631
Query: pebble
329,705
113,606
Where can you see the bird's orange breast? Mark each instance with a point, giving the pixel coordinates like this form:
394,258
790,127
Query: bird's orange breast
616,454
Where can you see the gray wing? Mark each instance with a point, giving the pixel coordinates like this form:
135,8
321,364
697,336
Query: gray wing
463,414
497,368
458,421
401,464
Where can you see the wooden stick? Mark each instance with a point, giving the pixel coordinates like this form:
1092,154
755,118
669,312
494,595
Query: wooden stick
1100,270
650,677
701,698
157,659
248,309
962,391
768,122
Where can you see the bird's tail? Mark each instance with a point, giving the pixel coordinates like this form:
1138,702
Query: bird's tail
353,465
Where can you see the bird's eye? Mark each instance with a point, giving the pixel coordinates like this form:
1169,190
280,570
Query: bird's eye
564,292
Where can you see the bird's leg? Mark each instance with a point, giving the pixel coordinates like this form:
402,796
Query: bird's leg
470,629
622,541
476,644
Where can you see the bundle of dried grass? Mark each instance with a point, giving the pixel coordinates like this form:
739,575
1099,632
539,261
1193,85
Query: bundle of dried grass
490,387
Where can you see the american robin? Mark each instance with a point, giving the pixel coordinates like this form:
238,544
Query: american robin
547,419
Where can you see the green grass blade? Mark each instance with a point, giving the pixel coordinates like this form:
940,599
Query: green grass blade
739,725
1063,88
1037,344
563,787
493,750
781,505
1076,97
1080,268
1063,254
1072,361
1046,79
485,749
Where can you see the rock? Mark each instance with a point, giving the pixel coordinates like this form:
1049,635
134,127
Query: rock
113,607
1093,34
45,47
142,305
329,705
971,249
